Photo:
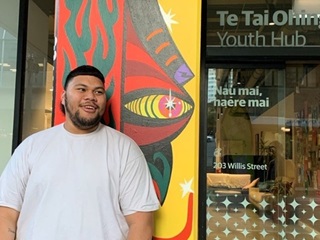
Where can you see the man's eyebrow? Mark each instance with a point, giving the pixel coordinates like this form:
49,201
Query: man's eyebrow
80,85
86,86
99,87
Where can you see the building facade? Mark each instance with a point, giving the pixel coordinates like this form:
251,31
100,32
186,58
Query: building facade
237,153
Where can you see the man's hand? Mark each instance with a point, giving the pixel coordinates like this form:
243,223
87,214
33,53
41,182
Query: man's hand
140,226
8,223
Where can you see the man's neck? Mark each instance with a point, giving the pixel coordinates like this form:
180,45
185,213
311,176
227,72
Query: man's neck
76,130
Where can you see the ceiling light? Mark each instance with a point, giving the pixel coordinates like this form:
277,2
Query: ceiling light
284,129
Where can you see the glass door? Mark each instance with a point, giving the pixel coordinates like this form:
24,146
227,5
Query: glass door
263,152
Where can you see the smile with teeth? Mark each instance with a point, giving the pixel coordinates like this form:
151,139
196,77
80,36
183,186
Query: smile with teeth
89,108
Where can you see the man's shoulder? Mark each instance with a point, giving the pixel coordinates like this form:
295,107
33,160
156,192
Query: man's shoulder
44,134
115,134
51,130
111,131
38,139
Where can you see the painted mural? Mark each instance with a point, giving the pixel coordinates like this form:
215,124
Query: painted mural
149,54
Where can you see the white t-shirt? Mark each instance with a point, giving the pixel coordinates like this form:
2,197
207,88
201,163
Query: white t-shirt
76,187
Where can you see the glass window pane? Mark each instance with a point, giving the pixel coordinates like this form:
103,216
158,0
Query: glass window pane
37,113
259,23
8,52
263,152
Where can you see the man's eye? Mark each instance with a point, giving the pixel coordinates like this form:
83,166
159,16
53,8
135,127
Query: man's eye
81,89
99,92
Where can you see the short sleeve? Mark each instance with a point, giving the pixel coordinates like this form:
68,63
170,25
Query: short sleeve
13,180
137,191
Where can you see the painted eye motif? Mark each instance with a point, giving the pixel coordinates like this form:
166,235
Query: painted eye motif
159,106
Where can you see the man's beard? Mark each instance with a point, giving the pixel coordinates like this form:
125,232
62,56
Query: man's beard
80,122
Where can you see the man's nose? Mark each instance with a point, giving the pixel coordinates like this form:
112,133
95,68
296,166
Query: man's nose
90,96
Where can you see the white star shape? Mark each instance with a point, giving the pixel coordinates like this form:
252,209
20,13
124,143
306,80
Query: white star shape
186,187
168,18
170,104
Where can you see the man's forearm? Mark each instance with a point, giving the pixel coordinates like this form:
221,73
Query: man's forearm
7,230
8,223
140,233
140,226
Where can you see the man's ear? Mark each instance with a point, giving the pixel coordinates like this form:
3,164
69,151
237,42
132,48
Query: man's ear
63,97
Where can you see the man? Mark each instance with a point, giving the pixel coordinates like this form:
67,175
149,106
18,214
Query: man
78,180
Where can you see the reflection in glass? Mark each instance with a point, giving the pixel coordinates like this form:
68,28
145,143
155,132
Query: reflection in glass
286,23
8,53
264,165
38,98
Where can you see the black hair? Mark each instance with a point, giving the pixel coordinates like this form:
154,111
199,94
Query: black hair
86,70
